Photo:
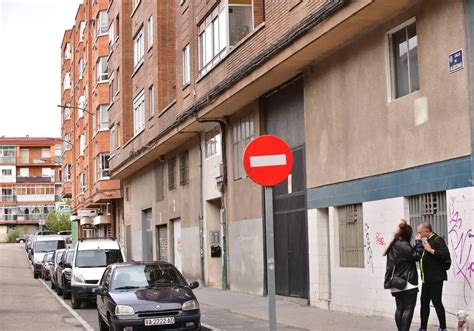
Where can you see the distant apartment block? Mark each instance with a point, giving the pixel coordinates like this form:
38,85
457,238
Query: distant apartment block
30,181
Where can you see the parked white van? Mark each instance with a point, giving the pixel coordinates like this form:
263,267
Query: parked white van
43,245
91,257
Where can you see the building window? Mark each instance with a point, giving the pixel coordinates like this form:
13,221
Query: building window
111,35
139,113
67,172
151,96
117,81
111,88
82,29
213,142
67,51
81,68
67,142
243,132
103,117
404,60
67,81
46,172
82,183
186,65
159,182
117,26
67,112
103,169
81,105
24,155
7,154
351,236
184,168
45,153
113,139
102,22
172,173
150,32
224,28
429,207
102,69
138,49
82,144
7,172
24,172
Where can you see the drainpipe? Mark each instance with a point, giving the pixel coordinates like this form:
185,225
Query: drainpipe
223,221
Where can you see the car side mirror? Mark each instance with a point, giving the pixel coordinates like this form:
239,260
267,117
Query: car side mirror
194,285
101,291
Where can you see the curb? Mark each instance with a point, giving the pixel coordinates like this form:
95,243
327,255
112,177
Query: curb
207,327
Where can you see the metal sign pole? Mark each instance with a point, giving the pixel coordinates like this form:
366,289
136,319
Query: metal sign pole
270,257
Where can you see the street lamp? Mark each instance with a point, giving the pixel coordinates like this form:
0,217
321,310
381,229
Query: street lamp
74,107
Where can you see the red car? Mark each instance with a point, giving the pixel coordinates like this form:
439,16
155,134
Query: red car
22,238
45,274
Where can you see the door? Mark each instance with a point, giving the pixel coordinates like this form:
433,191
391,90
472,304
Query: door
177,245
284,115
162,242
147,235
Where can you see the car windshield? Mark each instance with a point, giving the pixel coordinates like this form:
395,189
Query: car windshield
97,258
59,254
47,257
141,276
49,246
69,257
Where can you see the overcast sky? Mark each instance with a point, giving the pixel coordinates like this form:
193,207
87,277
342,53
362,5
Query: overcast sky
31,32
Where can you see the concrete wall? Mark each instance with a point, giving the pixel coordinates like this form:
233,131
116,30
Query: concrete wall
352,131
360,290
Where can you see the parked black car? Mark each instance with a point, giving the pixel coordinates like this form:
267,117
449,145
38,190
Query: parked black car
144,294
53,266
63,274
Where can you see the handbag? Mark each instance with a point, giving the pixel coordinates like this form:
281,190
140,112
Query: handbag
397,282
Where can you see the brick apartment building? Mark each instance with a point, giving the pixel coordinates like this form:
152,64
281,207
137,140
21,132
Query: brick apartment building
366,93
85,124
30,180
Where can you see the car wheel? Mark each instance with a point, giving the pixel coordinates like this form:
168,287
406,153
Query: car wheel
52,285
75,303
35,275
22,241
59,290
66,294
102,325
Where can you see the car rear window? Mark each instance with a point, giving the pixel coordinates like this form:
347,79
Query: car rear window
97,258
49,246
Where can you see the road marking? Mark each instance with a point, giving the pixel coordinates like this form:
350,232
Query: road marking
268,160
73,313
65,305
209,327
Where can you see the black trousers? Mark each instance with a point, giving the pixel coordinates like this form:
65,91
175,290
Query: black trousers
406,302
432,291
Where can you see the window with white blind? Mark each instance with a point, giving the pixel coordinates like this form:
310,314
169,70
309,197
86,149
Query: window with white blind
351,236
243,132
113,139
82,29
139,113
82,183
67,142
151,97
82,144
102,114
111,35
103,168
67,51
186,65
81,68
138,48
81,105
46,172
67,81
102,22
45,153
102,69
67,112
150,32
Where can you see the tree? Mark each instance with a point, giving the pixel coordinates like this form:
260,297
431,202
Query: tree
58,221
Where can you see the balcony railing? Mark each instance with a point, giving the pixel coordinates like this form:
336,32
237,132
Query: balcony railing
35,197
34,179
7,198
8,159
30,217
8,217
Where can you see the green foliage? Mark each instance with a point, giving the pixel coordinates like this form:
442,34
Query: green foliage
58,221
15,233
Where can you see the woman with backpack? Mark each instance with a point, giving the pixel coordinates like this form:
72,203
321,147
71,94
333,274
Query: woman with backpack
401,276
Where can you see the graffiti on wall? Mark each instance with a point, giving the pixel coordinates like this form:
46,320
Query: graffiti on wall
368,247
462,248
379,239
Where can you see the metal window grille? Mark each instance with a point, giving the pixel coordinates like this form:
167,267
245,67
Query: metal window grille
351,236
429,207
184,168
172,173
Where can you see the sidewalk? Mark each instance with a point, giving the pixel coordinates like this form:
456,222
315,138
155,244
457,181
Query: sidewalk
226,310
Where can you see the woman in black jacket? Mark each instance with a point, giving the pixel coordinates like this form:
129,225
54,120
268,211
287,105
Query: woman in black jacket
401,267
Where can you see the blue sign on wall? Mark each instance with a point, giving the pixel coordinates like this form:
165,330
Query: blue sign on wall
456,61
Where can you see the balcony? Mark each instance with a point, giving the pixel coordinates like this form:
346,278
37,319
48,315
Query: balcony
7,198
8,217
35,179
30,217
35,197
7,159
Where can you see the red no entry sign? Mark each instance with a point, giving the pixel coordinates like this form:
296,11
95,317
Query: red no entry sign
268,160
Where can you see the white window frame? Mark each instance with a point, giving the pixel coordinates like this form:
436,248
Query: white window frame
103,172
151,34
138,48
102,125
82,29
102,23
389,60
24,172
82,144
45,153
113,139
81,68
102,68
46,172
81,104
111,34
67,51
151,100
186,65
139,113
82,183
67,81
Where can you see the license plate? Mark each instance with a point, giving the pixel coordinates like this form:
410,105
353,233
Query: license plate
159,321
93,290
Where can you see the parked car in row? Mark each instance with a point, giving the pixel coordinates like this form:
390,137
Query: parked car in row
45,264
146,294
21,238
91,257
54,265
67,236
63,274
42,245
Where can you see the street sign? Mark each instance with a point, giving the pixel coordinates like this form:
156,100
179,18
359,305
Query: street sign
268,160
456,61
